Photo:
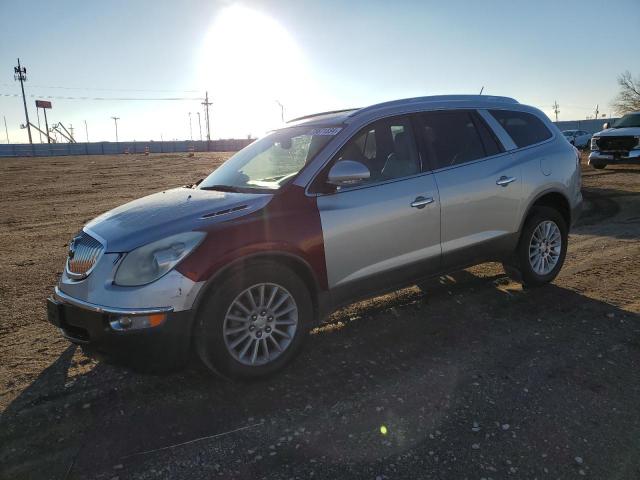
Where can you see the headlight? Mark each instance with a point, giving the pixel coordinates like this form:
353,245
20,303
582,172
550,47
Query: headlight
150,262
594,143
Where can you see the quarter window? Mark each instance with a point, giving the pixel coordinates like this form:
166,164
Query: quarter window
524,128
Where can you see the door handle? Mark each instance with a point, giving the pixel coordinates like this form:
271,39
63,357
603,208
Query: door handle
421,202
504,181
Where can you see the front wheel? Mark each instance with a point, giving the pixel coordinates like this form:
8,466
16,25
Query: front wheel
598,166
542,248
254,322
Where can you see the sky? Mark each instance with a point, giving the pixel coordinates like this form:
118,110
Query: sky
309,56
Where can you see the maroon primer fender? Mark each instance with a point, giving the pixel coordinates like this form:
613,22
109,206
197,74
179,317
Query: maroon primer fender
289,224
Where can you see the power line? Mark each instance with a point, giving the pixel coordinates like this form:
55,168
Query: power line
109,89
127,99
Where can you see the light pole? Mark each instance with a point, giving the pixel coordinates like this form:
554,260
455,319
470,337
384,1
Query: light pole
281,111
190,129
115,120
6,130
20,73
200,126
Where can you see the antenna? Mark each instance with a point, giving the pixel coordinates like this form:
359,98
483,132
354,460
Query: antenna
556,109
206,104
481,90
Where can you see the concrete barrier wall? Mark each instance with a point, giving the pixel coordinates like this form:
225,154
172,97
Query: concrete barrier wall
114,148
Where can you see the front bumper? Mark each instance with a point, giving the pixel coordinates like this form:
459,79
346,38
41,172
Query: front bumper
99,329
632,156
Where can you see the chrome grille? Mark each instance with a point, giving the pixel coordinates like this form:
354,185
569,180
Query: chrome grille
617,144
84,252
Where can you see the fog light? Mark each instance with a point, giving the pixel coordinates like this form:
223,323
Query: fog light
138,322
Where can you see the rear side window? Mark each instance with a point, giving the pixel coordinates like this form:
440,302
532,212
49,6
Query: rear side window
524,128
452,137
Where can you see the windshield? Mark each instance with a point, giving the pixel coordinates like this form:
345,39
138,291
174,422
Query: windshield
629,120
270,162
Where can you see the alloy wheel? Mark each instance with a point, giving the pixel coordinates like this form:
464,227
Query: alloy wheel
260,324
545,247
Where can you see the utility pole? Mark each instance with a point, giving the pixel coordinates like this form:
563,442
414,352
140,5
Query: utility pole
6,130
597,111
86,130
20,73
190,129
206,104
556,109
281,111
71,131
39,131
115,120
46,125
200,126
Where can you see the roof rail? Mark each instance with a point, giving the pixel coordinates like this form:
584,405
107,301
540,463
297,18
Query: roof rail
438,98
321,113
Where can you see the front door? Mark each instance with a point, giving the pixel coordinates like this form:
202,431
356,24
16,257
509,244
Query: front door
386,230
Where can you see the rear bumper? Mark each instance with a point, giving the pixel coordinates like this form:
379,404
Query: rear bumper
98,329
632,156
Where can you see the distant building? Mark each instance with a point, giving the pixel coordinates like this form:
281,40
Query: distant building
591,126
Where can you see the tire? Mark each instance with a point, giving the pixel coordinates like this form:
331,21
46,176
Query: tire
220,322
520,267
598,166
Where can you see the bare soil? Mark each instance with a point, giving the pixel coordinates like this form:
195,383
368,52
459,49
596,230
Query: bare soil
470,376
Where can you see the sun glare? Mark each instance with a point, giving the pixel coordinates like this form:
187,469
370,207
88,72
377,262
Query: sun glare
247,62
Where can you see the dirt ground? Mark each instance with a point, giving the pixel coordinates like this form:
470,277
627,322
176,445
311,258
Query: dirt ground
471,377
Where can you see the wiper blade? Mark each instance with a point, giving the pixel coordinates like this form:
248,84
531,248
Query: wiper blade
221,188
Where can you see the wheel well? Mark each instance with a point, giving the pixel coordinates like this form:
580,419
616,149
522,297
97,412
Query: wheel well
299,267
556,201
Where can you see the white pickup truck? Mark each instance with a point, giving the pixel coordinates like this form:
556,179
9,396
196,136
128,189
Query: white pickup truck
617,143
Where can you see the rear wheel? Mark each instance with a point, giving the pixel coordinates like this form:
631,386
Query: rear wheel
254,322
598,166
541,250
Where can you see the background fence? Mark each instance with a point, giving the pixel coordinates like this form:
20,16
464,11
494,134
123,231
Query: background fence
114,148
591,126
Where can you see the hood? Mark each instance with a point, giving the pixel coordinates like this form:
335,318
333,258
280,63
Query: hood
166,213
619,132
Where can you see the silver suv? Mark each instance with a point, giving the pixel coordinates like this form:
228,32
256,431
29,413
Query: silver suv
332,208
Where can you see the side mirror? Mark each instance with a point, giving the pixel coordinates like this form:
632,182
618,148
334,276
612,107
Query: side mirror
606,125
348,172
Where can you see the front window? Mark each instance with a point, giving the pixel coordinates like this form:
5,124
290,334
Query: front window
272,161
629,120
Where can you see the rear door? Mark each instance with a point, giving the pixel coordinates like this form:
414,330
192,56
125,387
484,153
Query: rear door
384,231
479,185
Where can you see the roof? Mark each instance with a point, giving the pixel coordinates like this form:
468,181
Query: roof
341,116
